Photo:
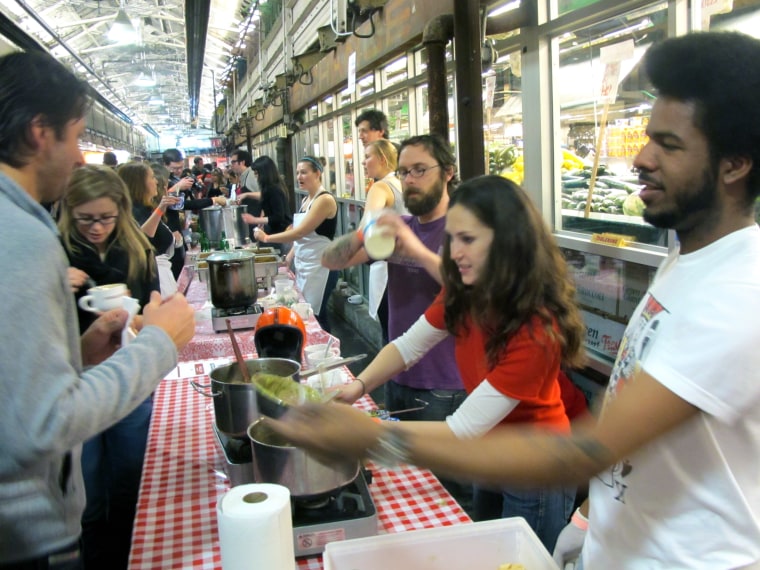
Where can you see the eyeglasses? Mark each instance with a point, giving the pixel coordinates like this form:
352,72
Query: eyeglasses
234,161
416,172
89,221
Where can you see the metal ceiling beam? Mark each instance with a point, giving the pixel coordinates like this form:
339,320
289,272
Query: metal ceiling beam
196,27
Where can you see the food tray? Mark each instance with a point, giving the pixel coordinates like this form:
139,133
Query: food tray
482,546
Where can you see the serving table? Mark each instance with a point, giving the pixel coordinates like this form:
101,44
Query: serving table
183,478
207,343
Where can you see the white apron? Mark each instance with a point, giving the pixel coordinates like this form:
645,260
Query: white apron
165,276
378,280
311,276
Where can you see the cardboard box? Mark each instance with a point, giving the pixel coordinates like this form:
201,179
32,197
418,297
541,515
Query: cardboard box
482,546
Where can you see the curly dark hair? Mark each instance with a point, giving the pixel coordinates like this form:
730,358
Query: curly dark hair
525,275
29,79
376,119
720,73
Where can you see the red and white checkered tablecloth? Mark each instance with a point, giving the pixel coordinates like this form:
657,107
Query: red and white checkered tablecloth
208,344
183,478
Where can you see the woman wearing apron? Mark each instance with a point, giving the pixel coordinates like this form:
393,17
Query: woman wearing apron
380,164
312,231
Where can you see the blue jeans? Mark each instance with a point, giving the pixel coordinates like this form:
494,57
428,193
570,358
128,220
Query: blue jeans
440,403
112,464
546,510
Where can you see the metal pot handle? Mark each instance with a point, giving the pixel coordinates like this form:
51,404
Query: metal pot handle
200,389
229,264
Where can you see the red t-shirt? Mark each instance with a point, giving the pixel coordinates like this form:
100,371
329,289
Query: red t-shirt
526,370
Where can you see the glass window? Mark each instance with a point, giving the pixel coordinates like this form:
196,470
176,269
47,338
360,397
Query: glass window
502,120
420,61
398,115
312,113
606,132
330,151
565,6
395,72
735,16
328,104
366,86
349,188
345,98
608,290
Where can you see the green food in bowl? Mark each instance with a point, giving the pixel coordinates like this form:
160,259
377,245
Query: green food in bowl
284,389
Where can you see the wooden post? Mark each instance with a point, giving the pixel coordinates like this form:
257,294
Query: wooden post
599,139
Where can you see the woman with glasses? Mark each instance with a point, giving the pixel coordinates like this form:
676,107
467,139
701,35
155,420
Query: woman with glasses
380,163
102,238
313,229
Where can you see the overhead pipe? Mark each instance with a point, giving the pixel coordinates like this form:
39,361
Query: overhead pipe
469,83
437,33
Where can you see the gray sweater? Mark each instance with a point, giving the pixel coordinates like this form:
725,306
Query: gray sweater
48,405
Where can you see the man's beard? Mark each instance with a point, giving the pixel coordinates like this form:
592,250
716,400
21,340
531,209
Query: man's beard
687,204
424,202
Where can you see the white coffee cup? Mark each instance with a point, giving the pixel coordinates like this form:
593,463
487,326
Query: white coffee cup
103,298
316,353
282,285
304,310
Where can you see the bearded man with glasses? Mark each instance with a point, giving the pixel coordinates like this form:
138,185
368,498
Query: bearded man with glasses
427,170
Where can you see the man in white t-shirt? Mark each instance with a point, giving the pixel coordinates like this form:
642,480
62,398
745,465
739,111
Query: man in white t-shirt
674,456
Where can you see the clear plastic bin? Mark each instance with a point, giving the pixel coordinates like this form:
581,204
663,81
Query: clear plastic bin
477,546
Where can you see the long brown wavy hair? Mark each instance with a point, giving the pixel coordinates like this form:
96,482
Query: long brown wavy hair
525,275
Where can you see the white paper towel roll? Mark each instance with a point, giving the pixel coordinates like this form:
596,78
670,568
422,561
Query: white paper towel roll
256,528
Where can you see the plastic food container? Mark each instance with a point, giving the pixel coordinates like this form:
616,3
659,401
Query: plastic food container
482,546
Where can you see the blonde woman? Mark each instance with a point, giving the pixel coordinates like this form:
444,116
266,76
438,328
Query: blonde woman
380,164
102,238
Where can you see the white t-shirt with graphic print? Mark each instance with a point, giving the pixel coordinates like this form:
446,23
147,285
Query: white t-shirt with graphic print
691,499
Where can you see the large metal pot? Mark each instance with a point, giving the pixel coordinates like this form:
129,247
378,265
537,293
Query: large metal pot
234,224
232,279
236,401
212,224
276,461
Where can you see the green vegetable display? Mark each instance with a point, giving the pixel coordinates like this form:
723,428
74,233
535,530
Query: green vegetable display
612,194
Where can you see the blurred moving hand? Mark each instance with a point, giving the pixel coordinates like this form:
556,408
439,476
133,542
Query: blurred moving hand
329,430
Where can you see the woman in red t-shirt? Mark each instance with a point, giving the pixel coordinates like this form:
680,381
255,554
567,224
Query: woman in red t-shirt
510,304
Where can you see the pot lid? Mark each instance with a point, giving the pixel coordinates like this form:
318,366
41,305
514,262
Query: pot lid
226,256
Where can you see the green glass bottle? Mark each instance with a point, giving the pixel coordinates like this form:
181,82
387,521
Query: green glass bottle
223,244
204,243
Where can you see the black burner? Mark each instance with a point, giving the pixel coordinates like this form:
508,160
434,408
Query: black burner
234,311
351,502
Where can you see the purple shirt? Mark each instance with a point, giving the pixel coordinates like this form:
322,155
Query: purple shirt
411,290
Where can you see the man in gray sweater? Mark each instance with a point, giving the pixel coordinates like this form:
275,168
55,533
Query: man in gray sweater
56,389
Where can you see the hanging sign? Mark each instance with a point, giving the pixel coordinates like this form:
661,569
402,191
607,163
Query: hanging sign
611,56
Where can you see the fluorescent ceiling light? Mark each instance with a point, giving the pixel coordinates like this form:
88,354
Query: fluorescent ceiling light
122,31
